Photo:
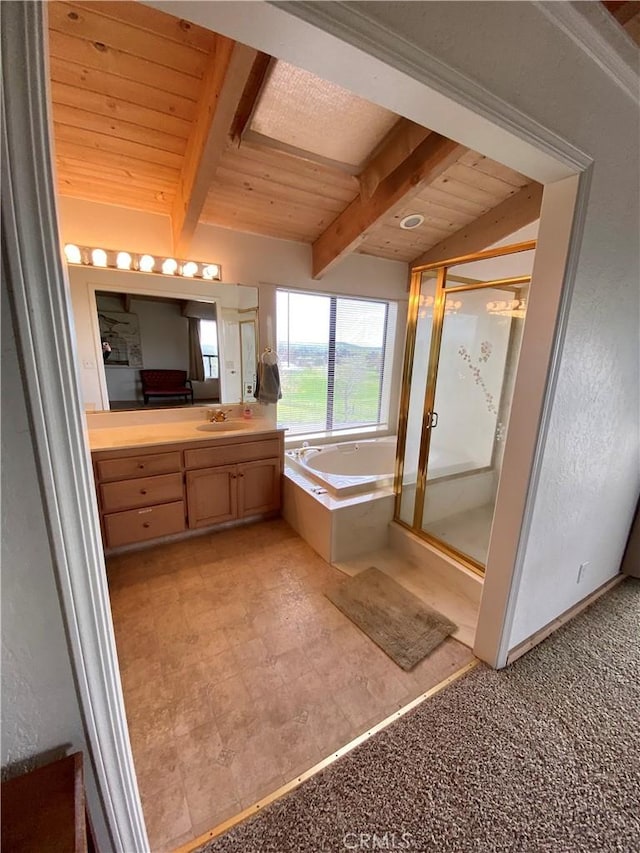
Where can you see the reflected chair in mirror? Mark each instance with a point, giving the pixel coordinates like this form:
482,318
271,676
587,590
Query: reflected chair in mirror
165,384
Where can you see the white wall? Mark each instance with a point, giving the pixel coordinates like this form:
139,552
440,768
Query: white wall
40,709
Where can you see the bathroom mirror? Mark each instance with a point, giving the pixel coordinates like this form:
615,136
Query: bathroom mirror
127,322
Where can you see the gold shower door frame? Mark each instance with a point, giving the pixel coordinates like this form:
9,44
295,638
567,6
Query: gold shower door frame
440,269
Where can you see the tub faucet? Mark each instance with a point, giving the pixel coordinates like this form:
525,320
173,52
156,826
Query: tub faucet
303,452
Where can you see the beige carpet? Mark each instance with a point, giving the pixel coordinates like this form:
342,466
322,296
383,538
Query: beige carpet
403,626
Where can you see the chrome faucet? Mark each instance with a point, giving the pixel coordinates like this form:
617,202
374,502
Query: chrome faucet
219,416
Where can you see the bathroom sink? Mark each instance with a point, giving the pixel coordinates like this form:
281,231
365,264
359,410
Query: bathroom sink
225,426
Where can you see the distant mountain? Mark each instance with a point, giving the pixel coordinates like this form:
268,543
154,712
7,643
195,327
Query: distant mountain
301,352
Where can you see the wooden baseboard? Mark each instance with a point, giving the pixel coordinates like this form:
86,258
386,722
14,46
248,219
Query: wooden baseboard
543,633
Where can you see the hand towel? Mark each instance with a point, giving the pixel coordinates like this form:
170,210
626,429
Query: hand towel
268,388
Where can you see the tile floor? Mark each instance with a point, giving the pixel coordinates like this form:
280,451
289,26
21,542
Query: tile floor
238,673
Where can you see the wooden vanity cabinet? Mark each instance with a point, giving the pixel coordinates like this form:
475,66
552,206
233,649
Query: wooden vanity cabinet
224,493
144,496
221,492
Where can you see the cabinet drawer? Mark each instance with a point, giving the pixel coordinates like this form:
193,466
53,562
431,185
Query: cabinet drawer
138,466
137,525
142,491
207,457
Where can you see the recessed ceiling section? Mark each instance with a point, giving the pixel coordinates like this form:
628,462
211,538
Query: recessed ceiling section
300,110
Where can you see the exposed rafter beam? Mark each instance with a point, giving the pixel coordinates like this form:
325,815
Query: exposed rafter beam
507,217
427,162
403,138
224,82
250,95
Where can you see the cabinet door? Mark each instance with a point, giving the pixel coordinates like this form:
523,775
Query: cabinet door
258,487
212,495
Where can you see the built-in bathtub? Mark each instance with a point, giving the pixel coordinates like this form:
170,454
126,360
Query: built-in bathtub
362,466
339,497
348,468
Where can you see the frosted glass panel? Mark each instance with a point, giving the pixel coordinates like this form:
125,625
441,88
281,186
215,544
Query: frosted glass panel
478,354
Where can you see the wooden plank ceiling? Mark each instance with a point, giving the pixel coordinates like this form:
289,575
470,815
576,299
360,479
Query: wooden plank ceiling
157,114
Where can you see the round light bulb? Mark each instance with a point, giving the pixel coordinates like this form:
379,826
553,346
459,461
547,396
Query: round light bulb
123,261
190,269
99,258
147,263
211,271
73,253
170,266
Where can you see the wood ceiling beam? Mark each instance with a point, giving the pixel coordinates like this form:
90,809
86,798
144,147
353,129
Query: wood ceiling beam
426,163
403,138
223,84
509,216
250,95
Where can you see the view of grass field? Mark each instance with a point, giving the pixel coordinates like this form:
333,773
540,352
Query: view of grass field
356,393
331,361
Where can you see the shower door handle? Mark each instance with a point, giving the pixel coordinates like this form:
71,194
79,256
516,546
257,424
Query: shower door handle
434,420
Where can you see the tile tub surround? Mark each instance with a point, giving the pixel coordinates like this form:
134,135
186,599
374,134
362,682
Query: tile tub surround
337,528
238,674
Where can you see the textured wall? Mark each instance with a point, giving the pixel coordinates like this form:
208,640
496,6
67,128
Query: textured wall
39,704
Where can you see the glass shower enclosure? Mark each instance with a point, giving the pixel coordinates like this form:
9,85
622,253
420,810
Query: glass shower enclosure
466,317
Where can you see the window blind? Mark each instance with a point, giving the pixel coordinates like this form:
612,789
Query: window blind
331,353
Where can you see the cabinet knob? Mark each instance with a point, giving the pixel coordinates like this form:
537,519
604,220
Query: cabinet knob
240,475
233,476
141,466
143,491
146,524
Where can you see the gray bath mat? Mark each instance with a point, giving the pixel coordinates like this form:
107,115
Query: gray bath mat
405,628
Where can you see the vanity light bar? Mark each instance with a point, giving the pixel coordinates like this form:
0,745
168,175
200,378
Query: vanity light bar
96,257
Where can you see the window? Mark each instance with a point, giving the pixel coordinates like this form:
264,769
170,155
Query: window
332,354
209,345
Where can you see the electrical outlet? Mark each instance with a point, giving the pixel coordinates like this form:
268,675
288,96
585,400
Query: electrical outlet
581,571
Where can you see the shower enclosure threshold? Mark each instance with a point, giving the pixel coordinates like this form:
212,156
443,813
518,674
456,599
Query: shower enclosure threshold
435,563
431,588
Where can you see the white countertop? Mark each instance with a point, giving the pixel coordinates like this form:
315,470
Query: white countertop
151,434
